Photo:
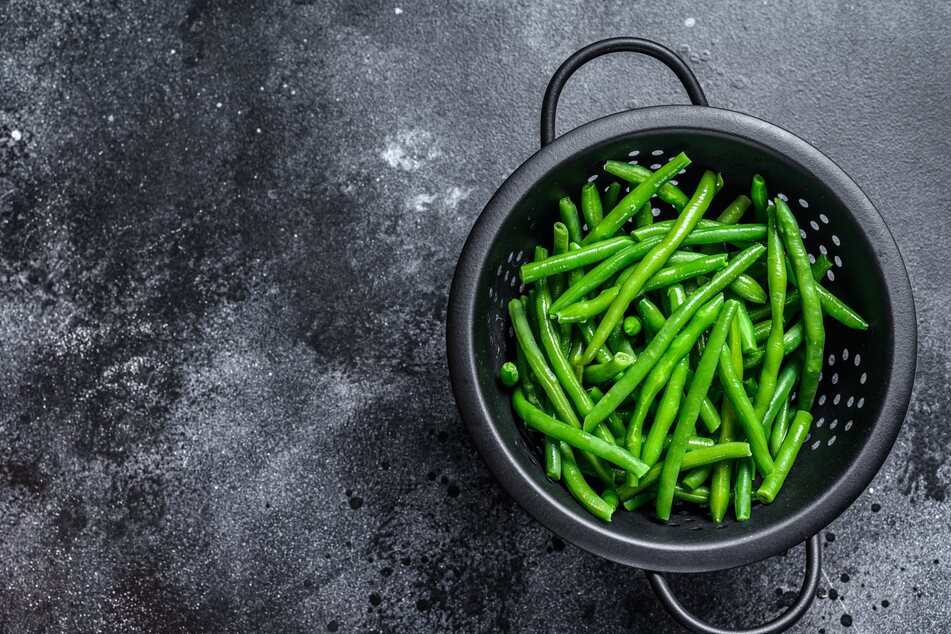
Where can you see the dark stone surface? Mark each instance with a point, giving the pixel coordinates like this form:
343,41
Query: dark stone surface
226,239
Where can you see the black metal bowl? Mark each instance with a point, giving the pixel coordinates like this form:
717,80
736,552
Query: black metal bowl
866,384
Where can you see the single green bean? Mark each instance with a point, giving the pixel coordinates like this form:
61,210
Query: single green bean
611,195
569,216
811,306
601,372
591,205
574,259
654,260
693,443
698,495
552,459
784,386
557,282
690,410
577,345
760,197
775,349
583,441
637,174
586,309
629,205
579,487
743,489
722,475
745,326
508,374
644,216
835,307
745,413
780,429
610,496
773,482
734,211
707,232
691,460
662,372
709,414
655,349
652,317
632,326
695,477
525,376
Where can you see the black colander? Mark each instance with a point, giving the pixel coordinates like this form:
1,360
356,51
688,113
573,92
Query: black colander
866,382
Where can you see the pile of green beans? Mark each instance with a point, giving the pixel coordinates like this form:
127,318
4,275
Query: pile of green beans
633,331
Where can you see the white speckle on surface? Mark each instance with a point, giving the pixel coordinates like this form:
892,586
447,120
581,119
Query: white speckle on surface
410,150
16,135
398,11
258,130
172,52
110,118
218,105
690,22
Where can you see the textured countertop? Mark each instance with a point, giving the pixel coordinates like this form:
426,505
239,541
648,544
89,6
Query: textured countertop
227,234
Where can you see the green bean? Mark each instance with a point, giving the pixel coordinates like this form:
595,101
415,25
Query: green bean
760,197
614,422
690,410
601,372
707,232
695,477
636,174
780,428
577,345
560,365
691,460
745,326
745,414
538,364
581,440
610,195
508,374
734,211
524,376
749,289
708,412
655,349
821,266
722,474
632,326
651,316
675,378
557,282
618,342
591,205
603,271
662,372
569,216
587,332
693,443
580,489
610,496
749,386
773,482
699,495
654,261
784,386
764,312
775,349
743,489
835,307
552,459
644,216
584,310
574,259
629,205
811,307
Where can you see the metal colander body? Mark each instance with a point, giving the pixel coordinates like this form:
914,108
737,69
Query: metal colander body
867,377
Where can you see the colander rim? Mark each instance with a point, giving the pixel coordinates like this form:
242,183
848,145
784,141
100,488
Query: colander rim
588,532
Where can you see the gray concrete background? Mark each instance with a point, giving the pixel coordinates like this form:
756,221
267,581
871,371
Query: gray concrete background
227,232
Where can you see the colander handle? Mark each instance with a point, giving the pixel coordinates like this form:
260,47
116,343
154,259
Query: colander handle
786,620
614,45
